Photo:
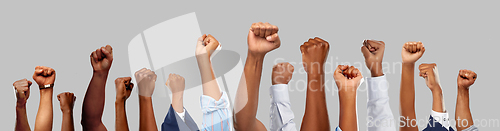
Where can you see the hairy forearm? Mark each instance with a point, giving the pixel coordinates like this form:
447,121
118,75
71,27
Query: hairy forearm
437,100
210,85
93,102
463,114
407,94
347,111
44,116
316,113
22,119
147,120
67,121
121,123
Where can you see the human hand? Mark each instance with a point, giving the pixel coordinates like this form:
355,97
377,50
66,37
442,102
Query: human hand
146,81
465,79
124,88
262,38
175,83
412,51
44,76
67,101
282,73
429,73
314,53
373,51
22,88
101,59
347,78
206,45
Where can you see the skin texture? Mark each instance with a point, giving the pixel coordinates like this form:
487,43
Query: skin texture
123,90
262,38
314,53
146,82
411,52
44,76
204,48
93,102
463,116
347,79
176,84
373,51
67,102
428,72
282,73
22,88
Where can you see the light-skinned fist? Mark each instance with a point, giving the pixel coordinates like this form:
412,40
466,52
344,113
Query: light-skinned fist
373,51
282,73
347,78
431,76
262,38
466,78
146,81
412,51
22,88
101,59
44,75
206,45
67,101
123,88
314,54
175,83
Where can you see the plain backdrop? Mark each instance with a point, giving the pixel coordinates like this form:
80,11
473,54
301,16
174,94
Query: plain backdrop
60,34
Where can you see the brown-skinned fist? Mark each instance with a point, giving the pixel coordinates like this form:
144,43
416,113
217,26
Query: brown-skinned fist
466,78
67,101
101,59
412,51
282,73
22,88
373,51
44,75
262,38
123,88
314,54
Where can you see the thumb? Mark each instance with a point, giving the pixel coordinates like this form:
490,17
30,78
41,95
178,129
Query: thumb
365,51
273,37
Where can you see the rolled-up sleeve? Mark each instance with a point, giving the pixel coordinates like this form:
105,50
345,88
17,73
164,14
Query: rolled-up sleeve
217,115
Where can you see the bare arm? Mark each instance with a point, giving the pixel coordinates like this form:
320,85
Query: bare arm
123,89
146,81
67,102
207,44
44,118
463,116
347,80
22,88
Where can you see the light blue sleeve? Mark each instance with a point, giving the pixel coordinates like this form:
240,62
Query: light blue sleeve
217,115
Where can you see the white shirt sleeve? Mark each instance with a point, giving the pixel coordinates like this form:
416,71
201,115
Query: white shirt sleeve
380,117
442,118
182,114
281,112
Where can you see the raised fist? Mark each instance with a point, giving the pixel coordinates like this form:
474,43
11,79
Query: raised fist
430,74
466,78
175,83
101,59
123,88
146,81
347,78
373,51
22,88
314,53
282,73
412,51
67,101
206,45
262,38
44,76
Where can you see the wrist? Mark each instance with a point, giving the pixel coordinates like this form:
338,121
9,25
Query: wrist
67,111
21,105
120,100
256,55
100,74
436,90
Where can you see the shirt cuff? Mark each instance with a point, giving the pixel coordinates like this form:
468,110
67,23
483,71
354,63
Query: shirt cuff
279,93
377,87
338,129
182,115
442,118
209,104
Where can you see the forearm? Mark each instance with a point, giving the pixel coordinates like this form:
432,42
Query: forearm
44,116
121,123
21,119
177,102
347,111
147,120
407,96
67,121
210,85
316,113
93,102
463,114
437,101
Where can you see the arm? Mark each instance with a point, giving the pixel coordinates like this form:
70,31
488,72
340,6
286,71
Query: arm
348,80
207,44
22,88
146,81
123,90
463,116
281,112
378,109
314,53
93,102
44,76
410,53
262,38
67,101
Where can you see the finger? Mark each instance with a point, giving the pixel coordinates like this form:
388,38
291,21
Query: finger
29,83
275,29
365,51
255,29
99,54
269,29
262,31
107,54
94,56
109,49
290,67
38,71
274,37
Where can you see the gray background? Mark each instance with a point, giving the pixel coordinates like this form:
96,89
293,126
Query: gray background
61,35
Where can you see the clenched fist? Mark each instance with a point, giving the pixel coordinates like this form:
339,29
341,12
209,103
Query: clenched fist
412,51
347,78
123,88
373,51
101,59
314,53
67,101
22,88
282,73
206,45
44,76
466,78
146,81
262,38
431,76
176,83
